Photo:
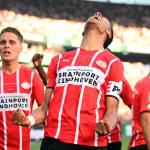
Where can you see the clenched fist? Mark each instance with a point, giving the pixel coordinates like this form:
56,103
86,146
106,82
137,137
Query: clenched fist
37,59
19,118
103,128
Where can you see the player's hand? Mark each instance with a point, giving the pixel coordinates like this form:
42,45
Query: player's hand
37,59
103,128
19,118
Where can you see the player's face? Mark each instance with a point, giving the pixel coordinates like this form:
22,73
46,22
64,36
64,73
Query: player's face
98,22
10,46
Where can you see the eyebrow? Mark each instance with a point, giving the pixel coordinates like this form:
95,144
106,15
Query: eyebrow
4,40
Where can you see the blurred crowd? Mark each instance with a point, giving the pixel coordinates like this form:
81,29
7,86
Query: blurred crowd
79,10
43,30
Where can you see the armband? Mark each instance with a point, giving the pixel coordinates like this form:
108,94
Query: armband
114,89
32,120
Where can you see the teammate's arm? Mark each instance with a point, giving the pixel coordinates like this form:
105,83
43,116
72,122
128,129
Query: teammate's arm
38,116
37,60
127,94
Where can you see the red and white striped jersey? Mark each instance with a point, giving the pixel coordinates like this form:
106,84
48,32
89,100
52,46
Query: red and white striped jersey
115,135
127,97
17,90
81,81
141,103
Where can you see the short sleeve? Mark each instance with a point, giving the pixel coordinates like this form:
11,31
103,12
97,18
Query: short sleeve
38,88
115,79
52,72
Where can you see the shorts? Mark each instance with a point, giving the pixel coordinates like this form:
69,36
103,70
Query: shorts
141,147
53,144
114,146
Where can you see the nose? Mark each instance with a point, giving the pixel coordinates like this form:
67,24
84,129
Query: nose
98,14
7,44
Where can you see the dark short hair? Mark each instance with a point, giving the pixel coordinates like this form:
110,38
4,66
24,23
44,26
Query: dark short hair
13,30
109,40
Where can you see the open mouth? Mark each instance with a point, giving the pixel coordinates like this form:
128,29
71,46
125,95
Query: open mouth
96,17
7,53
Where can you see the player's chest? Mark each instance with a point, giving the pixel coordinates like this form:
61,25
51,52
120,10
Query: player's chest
13,83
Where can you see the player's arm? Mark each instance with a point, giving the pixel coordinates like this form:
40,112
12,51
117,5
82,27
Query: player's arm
42,74
40,113
37,89
145,121
108,123
37,60
127,94
37,117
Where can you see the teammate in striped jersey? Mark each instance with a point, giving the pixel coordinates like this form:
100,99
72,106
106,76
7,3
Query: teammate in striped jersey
19,87
140,139
83,89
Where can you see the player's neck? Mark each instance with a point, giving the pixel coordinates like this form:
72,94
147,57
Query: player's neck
92,42
10,68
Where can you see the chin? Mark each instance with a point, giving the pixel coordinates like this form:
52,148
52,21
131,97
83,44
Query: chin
91,25
90,22
7,59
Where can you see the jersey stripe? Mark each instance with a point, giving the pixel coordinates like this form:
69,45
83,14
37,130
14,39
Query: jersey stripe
111,62
97,117
18,91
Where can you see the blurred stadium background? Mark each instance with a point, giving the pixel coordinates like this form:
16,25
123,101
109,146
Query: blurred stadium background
51,27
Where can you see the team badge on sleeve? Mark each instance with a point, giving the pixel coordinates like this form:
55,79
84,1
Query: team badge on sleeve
114,89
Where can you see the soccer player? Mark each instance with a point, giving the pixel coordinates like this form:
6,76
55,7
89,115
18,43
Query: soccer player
19,87
83,89
140,139
114,138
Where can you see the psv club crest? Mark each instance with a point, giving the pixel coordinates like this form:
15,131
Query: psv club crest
25,85
101,63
